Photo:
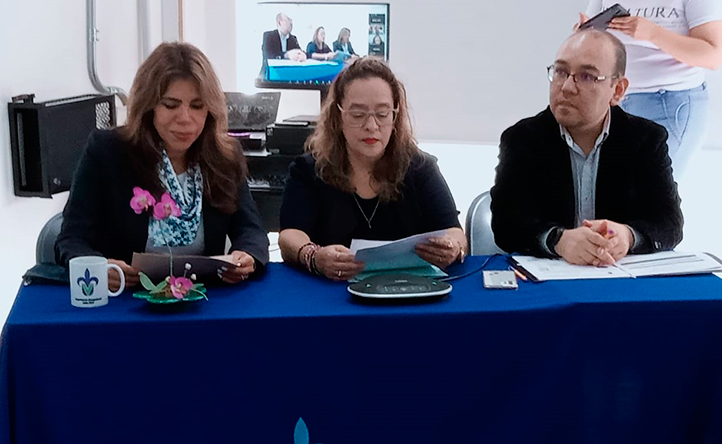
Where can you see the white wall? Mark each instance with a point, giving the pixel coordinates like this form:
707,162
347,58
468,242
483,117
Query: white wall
471,68
46,55
211,27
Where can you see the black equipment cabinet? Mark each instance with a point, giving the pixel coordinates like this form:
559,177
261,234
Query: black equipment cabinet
47,139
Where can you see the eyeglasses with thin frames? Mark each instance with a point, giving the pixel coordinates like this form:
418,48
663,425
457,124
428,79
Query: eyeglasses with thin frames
559,75
357,119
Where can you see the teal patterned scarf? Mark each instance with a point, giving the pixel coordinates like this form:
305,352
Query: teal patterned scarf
179,231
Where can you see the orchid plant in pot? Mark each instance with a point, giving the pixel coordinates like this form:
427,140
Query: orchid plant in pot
172,288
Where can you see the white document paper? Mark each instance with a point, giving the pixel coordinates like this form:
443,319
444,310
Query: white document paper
392,255
665,263
559,270
669,263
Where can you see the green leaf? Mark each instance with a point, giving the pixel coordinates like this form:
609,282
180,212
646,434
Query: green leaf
146,282
200,291
160,288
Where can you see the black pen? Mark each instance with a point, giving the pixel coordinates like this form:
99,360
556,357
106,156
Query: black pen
515,265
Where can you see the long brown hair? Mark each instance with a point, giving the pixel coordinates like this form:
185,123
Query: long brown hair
328,144
316,40
344,32
219,156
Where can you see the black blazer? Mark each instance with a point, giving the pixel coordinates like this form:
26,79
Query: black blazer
534,188
337,47
98,220
331,216
312,47
272,45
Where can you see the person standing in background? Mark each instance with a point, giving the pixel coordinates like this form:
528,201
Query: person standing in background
669,44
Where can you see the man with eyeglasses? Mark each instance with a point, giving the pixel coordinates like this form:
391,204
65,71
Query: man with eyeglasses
583,180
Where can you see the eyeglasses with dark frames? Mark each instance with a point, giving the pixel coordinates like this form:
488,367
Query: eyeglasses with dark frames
559,75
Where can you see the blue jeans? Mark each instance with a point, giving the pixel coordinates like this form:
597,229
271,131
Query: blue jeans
683,113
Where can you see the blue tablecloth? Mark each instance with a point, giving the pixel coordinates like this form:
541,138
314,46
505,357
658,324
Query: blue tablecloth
613,361
303,72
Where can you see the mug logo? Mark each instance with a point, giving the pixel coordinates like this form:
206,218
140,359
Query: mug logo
87,283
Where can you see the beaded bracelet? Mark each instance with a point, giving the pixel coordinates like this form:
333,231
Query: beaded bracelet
309,258
298,254
312,262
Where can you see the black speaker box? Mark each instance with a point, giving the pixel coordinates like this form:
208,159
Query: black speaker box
47,139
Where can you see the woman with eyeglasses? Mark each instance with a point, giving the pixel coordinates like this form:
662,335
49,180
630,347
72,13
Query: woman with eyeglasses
364,177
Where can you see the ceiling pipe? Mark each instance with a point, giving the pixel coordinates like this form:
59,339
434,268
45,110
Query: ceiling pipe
143,30
92,34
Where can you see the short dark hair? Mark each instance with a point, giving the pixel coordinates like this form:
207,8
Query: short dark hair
620,52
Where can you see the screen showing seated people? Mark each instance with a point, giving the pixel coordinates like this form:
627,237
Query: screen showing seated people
306,45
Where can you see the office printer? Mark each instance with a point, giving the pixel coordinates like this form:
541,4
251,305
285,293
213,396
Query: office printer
288,137
248,116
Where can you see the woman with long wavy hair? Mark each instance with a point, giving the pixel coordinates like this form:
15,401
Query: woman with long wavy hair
176,142
317,48
364,177
343,43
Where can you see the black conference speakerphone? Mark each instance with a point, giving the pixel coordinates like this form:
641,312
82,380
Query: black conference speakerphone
398,285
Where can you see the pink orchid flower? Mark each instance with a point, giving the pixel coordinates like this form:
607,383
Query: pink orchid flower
166,207
180,286
141,200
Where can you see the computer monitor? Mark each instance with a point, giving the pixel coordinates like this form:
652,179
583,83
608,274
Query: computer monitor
306,45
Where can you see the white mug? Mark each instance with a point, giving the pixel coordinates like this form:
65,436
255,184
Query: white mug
89,281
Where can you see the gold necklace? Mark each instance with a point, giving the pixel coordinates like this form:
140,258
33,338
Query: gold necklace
368,219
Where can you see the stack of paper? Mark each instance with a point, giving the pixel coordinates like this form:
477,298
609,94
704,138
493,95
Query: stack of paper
666,263
669,263
386,256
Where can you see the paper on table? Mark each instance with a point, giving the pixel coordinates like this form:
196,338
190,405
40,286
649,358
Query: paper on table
157,266
557,269
392,255
665,263
669,263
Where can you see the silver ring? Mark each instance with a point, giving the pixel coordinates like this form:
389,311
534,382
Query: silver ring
338,273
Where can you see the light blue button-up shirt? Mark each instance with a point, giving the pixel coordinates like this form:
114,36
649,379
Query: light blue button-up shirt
284,41
584,172
584,175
